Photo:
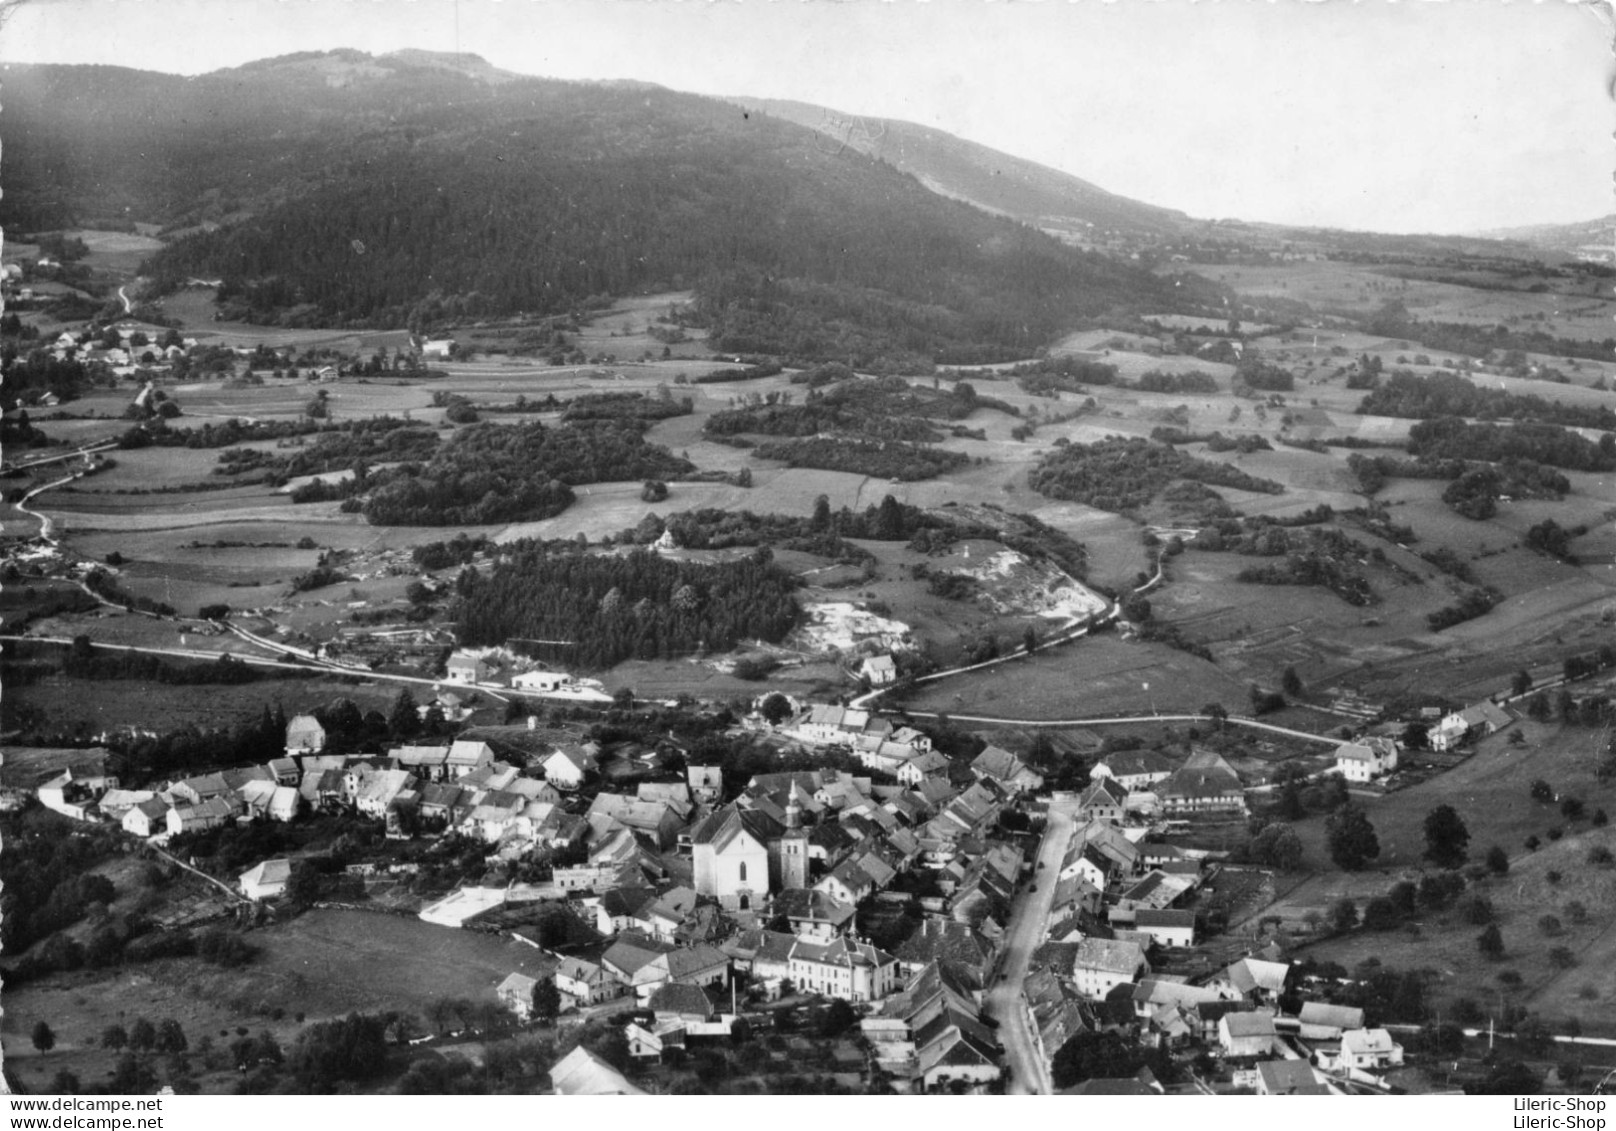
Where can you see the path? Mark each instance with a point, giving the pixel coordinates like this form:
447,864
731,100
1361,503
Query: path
1232,720
313,668
1029,914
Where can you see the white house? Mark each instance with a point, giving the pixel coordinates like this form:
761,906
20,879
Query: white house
844,968
1364,1050
540,681
879,670
304,735
467,667
1246,1034
1366,759
1103,964
567,767
267,880
440,348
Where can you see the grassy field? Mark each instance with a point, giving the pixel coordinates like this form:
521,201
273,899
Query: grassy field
71,705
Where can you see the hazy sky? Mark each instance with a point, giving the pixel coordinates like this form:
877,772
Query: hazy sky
1407,116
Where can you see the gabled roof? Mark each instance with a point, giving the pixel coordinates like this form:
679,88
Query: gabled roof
582,1073
811,906
1290,1078
1104,792
1111,956
1130,763
1334,1016
1248,1023
268,872
1367,1041
722,826
677,997
1249,974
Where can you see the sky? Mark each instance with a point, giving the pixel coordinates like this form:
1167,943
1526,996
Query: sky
1386,115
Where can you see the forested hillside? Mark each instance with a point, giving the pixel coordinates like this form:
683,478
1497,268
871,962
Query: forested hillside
385,192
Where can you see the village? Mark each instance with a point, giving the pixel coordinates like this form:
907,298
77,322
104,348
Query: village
978,925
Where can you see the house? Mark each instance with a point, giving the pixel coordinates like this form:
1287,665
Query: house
585,982
582,1073
467,757
468,668
1006,769
655,1042
1204,783
1289,1078
1366,759
147,819
1482,718
814,915
730,853
429,763
1166,928
1105,800
1363,1050
931,1033
678,1002
1134,769
1101,965
706,783
304,735
844,968
377,791
71,796
967,953
699,965
1252,979
926,765
283,770
567,767
879,670
440,348
1321,1021
266,880
540,681
1244,1034
515,993
210,814
823,724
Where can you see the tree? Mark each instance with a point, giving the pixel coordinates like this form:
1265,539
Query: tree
546,1000
1497,860
1522,682
404,720
1291,683
1344,915
776,709
1445,837
1278,846
142,1035
114,1037
1491,942
44,1040
67,1083
837,1018
171,1037
1351,837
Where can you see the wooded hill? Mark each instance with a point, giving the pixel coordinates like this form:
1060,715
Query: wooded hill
389,192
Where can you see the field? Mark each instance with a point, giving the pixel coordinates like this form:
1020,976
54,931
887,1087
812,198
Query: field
322,965
1490,791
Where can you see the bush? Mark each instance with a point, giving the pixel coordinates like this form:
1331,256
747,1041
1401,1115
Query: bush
1600,856
1511,978
1491,942
1576,911
1562,958
1551,926
1552,876
1497,860
1542,791
1475,909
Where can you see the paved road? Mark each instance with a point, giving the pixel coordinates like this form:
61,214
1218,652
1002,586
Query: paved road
1023,935
1232,720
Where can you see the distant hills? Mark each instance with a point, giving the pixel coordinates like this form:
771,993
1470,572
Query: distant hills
1590,239
996,182
418,188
